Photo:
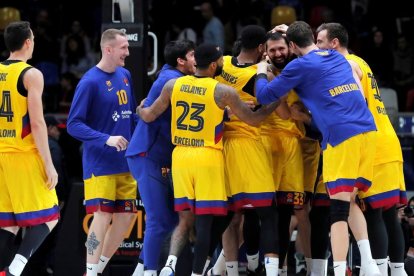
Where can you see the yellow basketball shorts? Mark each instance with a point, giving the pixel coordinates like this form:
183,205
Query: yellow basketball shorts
248,173
288,169
350,164
198,180
115,193
311,152
25,199
385,190
320,197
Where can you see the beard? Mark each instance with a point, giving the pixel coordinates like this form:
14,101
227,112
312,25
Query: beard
280,65
218,71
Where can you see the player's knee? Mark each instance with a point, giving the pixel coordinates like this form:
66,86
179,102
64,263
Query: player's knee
339,210
52,224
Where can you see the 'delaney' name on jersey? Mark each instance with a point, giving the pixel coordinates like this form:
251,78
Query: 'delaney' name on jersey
193,89
7,133
183,141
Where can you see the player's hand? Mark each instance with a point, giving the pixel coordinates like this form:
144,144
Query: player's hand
262,67
141,105
280,29
118,142
52,176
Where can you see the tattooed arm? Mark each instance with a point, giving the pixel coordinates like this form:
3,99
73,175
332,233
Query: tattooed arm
150,113
226,96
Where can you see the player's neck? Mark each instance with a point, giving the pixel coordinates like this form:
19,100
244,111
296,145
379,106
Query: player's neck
106,66
18,55
246,58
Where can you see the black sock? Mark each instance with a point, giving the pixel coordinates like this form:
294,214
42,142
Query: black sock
320,226
396,247
203,225
285,215
377,232
6,244
251,231
33,238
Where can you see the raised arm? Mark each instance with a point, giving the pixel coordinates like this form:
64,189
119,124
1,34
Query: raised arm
150,113
33,82
227,96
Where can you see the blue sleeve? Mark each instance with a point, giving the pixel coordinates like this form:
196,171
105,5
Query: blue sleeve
268,92
134,101
77,119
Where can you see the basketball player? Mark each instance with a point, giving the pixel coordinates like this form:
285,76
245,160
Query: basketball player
102,117
27,175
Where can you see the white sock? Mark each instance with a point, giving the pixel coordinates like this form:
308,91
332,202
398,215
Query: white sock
220,265
365,251
91,269
397,269
252,261
382,266
308,265
283,271
17,265
339,268
206,266
195,274
103,261
171,261
272,266
232,268
139,270
150,273
319,267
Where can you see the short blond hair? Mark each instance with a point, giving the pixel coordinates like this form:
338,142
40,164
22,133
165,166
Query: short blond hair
110,35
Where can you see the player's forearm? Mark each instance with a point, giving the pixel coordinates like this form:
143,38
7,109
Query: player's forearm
39,132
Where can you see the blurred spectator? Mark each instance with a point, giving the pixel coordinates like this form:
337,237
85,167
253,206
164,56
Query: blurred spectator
53,132
68,84
213,31
407,222
403,69
379,56
76,59
76,29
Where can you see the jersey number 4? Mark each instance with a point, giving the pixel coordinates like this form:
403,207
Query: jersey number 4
6,106
195,116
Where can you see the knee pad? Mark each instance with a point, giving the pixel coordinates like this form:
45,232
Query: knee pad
339,210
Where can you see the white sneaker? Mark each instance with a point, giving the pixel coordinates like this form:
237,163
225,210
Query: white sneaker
370,269
167,271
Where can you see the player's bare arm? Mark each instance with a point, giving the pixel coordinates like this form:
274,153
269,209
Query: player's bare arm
33,82
300,113
226,96
150,113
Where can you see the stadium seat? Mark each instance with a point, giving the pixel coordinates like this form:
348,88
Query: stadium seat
283,15
8,15
390,100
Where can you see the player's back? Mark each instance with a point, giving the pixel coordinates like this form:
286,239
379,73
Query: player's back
325,83
241,78
15,132
196,120
388,145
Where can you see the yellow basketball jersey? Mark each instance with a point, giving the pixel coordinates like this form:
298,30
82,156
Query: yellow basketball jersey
196,120
15,132
238,77
388,146
290,127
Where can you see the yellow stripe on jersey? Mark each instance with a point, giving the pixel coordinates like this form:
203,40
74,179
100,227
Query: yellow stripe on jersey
388,146
238,77
15,132
196,119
